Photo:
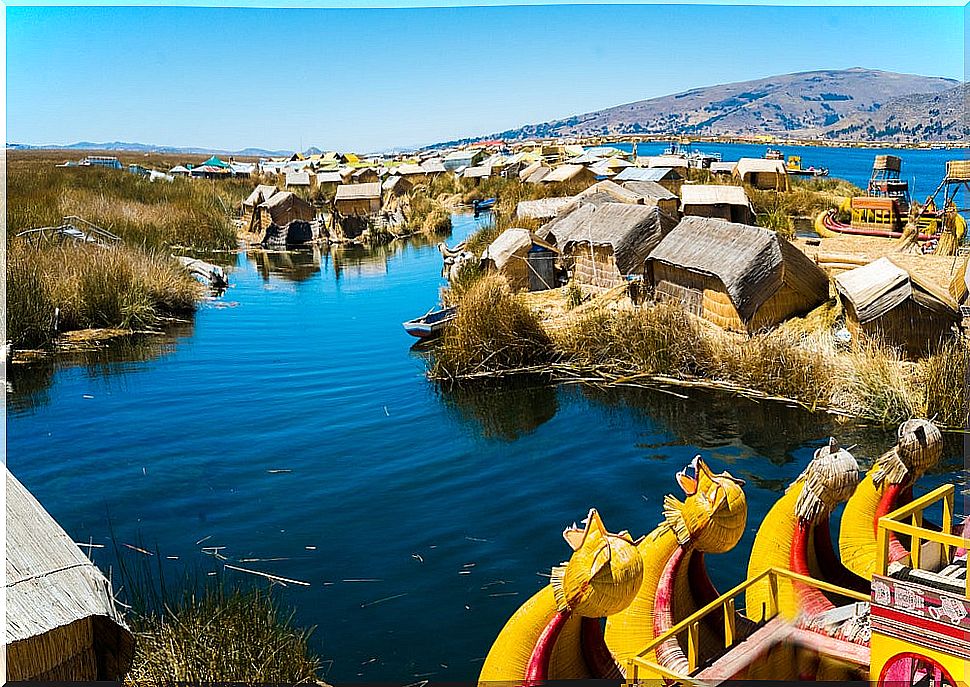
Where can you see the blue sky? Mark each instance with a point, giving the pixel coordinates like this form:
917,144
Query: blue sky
370,79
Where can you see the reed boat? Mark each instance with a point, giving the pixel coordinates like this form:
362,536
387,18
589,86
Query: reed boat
794,166
890,605
887,207
432,323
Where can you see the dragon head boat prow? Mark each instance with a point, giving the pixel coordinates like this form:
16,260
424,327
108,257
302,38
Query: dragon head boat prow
603,574
713,514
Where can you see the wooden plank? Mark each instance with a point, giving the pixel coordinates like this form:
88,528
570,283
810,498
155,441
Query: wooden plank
747,652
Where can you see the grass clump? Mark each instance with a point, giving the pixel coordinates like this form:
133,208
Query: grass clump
775,364
222,635
425,214
943,382
876,385
53,289
493,332
658,339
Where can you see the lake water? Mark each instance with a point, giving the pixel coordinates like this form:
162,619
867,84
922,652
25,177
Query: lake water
923,169
291,421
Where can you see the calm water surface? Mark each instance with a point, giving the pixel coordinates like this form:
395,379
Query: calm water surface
290,421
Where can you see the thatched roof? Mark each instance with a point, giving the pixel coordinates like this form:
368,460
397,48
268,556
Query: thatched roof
409,168
530,169
509,242
618,193
723,167
563,173
960,285
751,262
261,193
392,182
51,584
649,189
713,194
748,165
538,175
544,208
669,161
297,178
480,172
329,178
359,191
632,231
647,174
566,222
433,166
876,288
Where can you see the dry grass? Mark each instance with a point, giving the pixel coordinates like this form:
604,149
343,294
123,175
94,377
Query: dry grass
222,636
943,382
186,212
494,331
53,289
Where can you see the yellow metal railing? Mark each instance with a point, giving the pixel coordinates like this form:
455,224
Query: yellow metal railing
913,511
726,604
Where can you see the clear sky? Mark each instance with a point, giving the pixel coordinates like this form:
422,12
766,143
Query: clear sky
371,79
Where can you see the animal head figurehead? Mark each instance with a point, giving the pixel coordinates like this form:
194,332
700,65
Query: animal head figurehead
714,511
604,573
919,446
829,479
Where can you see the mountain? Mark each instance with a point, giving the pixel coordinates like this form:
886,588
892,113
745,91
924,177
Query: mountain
799,105
148,148
936,117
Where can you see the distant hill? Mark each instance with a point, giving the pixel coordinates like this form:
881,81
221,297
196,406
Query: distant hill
805,104
148,148
937,117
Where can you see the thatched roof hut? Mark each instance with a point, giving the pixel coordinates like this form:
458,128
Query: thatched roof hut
884,301
569,173
358,199
521,257
543,208
617,193
729,203
260,194
394,186
762,173
62,623
302,179
738,276
281,209
605,243
652,193
433,167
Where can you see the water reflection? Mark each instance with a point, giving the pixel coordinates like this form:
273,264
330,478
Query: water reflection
502,413
29,382
293,265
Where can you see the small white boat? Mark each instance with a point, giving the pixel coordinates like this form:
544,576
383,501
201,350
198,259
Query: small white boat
432,323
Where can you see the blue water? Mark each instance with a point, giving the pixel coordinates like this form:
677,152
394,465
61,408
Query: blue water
923,169
303,367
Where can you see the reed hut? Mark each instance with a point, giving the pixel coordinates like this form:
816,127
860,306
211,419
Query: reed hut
740,277
885,302
761,173
433,167
358,199
525,260
414,173
395,187
260,194
476,174
723,168
611,189
62,622
281,209
671,179
652,193
327,182
304,180
729,203
541,209
462,158
365,175
605,244
569,174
